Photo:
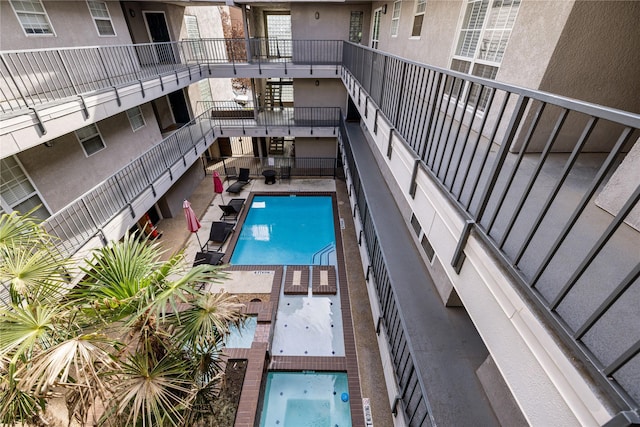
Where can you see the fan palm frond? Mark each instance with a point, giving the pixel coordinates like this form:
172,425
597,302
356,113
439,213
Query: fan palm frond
207,320
76,362
154,393
25,327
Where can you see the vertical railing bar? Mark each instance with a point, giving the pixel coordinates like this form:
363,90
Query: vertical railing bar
476,144
429,113
51,85
434,144
534,176
419,126
597,247
454,103
608,302
466,140
13,80
600,176
490,142
622,359
516,166
455,138
551,197
55,77
22,67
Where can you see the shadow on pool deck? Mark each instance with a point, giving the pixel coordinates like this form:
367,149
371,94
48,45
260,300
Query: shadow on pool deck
176,237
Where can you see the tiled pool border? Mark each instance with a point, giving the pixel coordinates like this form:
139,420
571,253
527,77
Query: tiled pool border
259,359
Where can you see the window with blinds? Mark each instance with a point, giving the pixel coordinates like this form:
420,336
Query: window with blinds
32,17
395,18
136,119
101,17
421,7
484,32
90,139
17,192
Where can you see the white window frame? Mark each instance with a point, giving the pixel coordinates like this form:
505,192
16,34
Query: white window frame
44,13
8,208
81,141
395,17
101,18
420,4
475,59
138,112
375,27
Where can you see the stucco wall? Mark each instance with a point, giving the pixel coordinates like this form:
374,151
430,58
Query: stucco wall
316,147
72,24
328,93
62,172
332,22
596,58
437,39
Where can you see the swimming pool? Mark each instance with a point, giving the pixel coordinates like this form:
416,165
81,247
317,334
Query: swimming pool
286,230
242,337
306,399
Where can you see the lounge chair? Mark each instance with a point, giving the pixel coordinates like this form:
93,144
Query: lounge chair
236,187
212,258
244,175
232,209
243,179
218,235
285,172
231,173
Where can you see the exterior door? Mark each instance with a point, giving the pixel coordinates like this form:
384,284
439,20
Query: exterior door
179,107
375,27
159,33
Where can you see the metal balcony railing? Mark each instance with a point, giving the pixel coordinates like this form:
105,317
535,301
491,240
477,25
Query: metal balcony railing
526,169
31,78
85,217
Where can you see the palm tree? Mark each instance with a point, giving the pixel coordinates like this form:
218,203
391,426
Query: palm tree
134,343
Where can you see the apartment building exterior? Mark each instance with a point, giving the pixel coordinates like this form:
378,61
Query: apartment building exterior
504,131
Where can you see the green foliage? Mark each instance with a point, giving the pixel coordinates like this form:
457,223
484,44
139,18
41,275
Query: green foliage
135,343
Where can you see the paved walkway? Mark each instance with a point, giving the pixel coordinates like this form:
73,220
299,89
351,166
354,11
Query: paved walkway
204,202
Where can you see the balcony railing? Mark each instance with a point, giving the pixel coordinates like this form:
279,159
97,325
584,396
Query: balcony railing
526,168
84,218
31,78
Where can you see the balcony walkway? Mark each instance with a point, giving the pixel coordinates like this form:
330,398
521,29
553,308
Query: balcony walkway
446,346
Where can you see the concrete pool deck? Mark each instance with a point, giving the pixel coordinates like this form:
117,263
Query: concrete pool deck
366,369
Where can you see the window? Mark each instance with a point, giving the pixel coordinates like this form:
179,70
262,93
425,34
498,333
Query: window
90,139
32,16
101,17
484,32
355,27
136,118
421,6
395,18
17,192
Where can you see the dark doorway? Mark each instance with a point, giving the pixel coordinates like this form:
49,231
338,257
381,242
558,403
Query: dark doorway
353,115
224,144
179,107
159,33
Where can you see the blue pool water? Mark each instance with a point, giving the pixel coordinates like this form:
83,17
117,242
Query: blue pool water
302,399
242,337
286,230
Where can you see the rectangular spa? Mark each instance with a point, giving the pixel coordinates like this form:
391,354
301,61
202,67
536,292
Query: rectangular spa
306,399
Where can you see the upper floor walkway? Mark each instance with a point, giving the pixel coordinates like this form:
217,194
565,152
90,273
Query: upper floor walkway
47,93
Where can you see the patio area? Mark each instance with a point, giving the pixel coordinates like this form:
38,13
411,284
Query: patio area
260,288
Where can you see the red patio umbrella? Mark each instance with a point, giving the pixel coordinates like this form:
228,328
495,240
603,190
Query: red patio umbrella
192,221
217,185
